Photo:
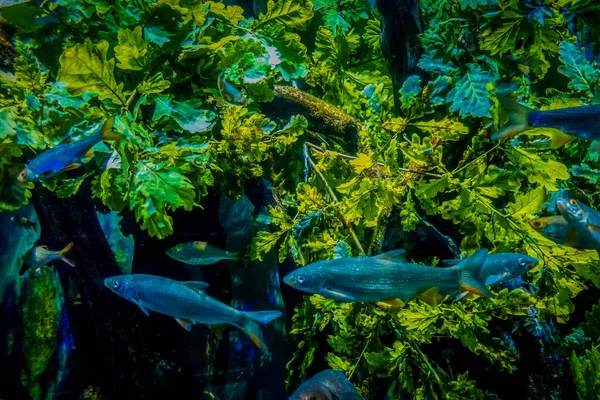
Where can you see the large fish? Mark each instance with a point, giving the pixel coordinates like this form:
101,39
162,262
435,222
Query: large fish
387,277
582,122
585,220
557,229
66,156
326,385
188,304
500,267
200,253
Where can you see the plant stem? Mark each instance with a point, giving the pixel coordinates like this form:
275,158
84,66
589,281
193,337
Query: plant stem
349,157
334,198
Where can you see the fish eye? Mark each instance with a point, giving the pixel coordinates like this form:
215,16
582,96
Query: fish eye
521,262
573,201
537,224
301,279
116,284
22,173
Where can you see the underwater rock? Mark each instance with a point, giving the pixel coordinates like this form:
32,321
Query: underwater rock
16,239
121,245
47,341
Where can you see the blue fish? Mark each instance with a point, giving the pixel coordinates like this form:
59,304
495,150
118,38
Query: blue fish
188,304
326,385
584,219
387,277
66,156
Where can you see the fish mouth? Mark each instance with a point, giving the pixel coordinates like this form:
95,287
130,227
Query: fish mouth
21,178
289,279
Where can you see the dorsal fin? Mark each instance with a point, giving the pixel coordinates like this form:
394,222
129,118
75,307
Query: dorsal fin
394,255
196,285
450,263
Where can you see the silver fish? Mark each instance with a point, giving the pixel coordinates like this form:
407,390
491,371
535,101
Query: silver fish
188,304
200,253
326,385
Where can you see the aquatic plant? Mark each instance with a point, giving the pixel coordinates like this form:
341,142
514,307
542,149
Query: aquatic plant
154,66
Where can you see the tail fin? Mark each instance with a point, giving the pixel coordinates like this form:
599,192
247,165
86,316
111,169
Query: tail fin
107,131
252,327
467,273
61,254
518,117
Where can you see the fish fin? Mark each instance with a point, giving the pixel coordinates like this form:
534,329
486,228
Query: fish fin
493,279
71,167
107,131
254,332
217,330
559,139
395,303
332,294
431,296
594,228
463,295
200,245
185,323
139,304
263,317
571,237
66,140
61,254
452,262
394,255
196,285
45,247
468,270
88,154
518,117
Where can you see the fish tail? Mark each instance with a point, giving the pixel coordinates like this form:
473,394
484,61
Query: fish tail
107,131
252,326
518,117
62,256
467,274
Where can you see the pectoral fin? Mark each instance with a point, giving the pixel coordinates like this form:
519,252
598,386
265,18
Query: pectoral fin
431,297
593,228
462,295
394,255
71,167
185,323
332,294
137,302
89,154
493,279
450,263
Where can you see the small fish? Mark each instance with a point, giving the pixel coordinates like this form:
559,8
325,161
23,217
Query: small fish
40,256
114,161
557,229
585,220
582,122
23,222
200,253
500,267
66,156
188,304
8,3
326,385
229,92
387,278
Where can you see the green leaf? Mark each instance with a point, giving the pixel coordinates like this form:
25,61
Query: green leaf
157,35
156,189
470,96
185,113
335,21
472,3
84,68
153,85
527,204
70,187
132,51
581,72
540,168
290,13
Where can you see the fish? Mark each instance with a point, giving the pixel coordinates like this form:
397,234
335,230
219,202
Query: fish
386,278
557,229
500,267
229,92
40,256
584,219
200,253
188,303
582,122
326,385
23,222
67,155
